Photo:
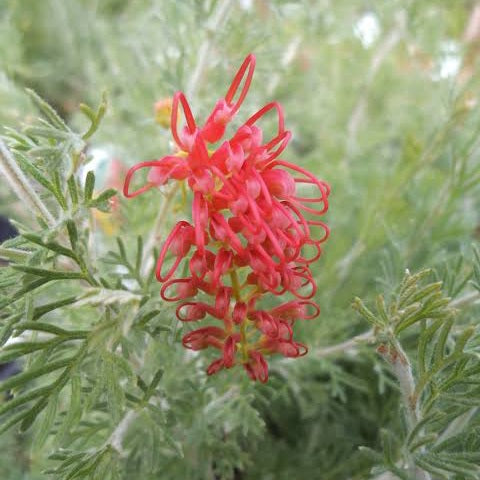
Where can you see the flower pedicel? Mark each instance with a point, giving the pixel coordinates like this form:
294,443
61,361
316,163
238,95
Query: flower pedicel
251,235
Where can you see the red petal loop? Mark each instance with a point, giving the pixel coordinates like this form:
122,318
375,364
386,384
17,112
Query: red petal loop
131,172
252,233
247,67
322,187
270,106
192,311
191,125
184,240
229,350
257,367
203,338
215,366
185,288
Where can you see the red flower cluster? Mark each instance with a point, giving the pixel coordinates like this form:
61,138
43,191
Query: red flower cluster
248,237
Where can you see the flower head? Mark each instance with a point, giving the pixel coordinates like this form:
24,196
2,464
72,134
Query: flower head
251,234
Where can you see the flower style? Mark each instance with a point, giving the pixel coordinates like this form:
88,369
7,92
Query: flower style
251,234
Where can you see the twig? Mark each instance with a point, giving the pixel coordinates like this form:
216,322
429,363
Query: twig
348,346
402,370
21,186
351,345
117,436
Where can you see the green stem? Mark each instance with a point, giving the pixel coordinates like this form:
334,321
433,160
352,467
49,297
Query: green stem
21,186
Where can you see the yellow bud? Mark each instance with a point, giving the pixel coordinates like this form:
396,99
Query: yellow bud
163,112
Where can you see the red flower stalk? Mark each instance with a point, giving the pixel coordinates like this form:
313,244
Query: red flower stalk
251,234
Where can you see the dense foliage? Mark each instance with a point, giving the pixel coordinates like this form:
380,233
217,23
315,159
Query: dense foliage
381,99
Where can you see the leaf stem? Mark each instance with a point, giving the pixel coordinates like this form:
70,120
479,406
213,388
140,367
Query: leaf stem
21,186
351,345
147,261
402,370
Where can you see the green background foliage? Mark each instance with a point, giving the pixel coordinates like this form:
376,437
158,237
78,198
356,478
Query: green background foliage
382,100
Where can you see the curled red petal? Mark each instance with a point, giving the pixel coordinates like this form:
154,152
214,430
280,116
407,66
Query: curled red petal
239,313
229,350
131,172
257,367
191,311
296,309
184,286
245,71
270,106
179,98
215,366
203,338
180,239
323,188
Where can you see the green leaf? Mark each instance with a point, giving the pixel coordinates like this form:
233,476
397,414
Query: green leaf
463,338
422,441
432,417
121,249
7,329
17,418
459,467
94,117
72,189
41,310
176,446
58,190
68,458
89,187
145,318
439,348
101,202
24,398
74,411
46,424
115,396
48,111
360,307
16,350
153,385
53,329
53,246
72,233
382,310
34,172
49,274
25,377
32,414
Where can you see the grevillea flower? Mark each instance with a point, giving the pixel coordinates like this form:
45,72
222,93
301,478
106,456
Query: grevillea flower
250,234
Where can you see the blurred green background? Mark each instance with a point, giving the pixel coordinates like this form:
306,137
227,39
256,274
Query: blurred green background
382,100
